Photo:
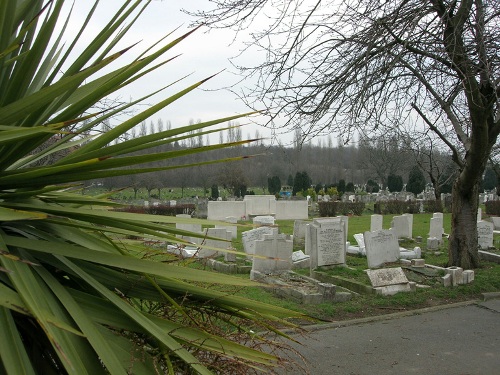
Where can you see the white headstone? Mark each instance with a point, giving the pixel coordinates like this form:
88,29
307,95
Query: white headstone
479,214
249,237
325,242
345,221
230,228
360,240
387,276
401,226
273,254
485,234
263,220
381,247
436,228
376,222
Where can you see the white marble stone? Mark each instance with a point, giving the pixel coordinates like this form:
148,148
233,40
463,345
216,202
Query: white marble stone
485,234
381,247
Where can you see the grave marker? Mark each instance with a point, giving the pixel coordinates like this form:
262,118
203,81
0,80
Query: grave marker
381,247
325,242
485,234
376,222
277,250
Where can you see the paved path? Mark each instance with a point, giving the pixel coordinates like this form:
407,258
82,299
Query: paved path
459,340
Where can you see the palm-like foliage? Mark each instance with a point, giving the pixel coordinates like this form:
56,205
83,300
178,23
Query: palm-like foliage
73,299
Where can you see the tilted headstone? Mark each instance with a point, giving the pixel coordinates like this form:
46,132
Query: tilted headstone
376,222
273,255
249,237
381,247
325,242
263,220
389,281
485,234
205,251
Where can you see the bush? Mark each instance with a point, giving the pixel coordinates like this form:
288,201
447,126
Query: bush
396,207
433,206
329,209
492,208
164,209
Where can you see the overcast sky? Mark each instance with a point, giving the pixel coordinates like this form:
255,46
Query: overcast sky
203,54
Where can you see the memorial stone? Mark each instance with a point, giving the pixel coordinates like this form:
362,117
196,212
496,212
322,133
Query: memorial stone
485,234
436,228
208,246
249,237
230,228
381,247
376,222
276,252
263,220
325,242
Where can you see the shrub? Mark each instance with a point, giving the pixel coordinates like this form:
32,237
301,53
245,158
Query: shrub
330,209
492,208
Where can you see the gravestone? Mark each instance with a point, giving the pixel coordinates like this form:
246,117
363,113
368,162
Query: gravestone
436,228
388,281
230,228
300,260
263,220
345,221
479,214
485,234
410,224
325,242
299,232
376,222
276,250
381,247
207,246
360,240
249,237
402,226
195,228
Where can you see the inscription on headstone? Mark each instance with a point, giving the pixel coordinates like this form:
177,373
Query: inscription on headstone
325,242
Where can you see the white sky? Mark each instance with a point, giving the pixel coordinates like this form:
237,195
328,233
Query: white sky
203,54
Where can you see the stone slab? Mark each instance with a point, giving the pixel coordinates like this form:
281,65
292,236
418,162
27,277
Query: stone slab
387,276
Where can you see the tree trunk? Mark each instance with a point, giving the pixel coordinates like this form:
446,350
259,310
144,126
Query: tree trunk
463,245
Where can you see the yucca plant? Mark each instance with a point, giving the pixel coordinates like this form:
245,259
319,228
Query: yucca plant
75,296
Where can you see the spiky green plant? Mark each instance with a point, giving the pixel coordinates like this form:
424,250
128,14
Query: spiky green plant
74,297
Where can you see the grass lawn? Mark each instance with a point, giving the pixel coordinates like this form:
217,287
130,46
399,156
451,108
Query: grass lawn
487,278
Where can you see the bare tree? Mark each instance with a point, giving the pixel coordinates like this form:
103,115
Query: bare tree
360,64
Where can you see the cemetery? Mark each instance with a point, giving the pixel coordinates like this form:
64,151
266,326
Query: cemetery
324,261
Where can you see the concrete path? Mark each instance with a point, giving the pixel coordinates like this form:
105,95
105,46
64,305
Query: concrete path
463,339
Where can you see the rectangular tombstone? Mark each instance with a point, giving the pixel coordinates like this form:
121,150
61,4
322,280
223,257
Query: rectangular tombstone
187,226
410,224
401,226
376,222
206,247
263,220
381,247
345,221
276,252
387,276
479,214
485,234
325,242
436,228
249,237
230,228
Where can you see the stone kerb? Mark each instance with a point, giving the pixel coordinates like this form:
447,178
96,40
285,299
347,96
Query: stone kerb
381,247
273,255
325,242
485,234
